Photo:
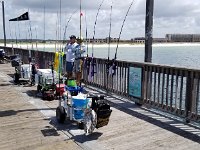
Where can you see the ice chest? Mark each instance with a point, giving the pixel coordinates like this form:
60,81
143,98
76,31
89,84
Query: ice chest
79,102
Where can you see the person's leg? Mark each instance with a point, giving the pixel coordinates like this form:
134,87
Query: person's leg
79,72
69,68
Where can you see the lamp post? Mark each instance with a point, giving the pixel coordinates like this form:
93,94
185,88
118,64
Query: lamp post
4,28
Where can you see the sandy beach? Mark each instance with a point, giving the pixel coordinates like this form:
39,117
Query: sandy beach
52,45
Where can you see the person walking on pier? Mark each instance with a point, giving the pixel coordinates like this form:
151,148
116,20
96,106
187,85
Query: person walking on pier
70,55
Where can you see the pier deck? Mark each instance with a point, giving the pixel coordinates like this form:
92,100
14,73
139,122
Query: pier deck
27,122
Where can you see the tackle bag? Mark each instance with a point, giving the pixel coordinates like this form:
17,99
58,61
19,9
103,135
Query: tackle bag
15,62
103,112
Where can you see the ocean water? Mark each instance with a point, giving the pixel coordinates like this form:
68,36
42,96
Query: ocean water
179,55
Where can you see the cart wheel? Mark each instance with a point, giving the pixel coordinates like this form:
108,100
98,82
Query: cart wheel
60,114
81,125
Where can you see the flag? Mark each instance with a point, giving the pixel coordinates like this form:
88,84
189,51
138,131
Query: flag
23,17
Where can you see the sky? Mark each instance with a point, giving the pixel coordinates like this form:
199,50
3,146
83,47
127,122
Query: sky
170,16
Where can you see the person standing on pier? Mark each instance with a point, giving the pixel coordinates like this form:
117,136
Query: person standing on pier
70,55
78,63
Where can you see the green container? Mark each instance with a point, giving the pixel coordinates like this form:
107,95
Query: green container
71,82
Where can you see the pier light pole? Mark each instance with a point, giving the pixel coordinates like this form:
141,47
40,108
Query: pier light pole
148,30
4,28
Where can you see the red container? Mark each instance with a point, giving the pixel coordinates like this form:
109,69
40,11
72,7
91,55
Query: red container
60,89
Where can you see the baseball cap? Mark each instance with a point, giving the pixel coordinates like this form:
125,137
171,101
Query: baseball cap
72,37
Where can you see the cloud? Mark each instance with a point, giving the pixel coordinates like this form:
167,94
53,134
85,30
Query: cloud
170,16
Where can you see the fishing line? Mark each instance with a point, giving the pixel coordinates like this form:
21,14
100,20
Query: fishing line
44,23
19,33
16,37
86,33
95,27
109,40
66,26
11,37
112,69
60,25
36,39
122,29
31,35
56,39
27,33
80,19
92,63
110,31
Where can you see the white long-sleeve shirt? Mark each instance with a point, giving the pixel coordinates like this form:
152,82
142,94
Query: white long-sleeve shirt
69,51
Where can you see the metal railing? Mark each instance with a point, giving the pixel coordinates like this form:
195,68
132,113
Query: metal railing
170,89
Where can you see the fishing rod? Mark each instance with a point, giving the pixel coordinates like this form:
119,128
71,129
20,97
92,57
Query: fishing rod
86,33
31,35
44,23
60,60
36,53
80,18
92,64
66,26
122,28
36,39
16,40
95,27
109,36
27,35
11,37
114,63
86,61
56,40
60,24
109,40
19,33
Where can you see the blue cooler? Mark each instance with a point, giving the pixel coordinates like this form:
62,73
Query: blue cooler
79,105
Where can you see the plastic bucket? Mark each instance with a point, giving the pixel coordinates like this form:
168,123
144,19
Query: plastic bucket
71,83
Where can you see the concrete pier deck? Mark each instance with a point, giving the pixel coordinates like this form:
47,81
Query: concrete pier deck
27,122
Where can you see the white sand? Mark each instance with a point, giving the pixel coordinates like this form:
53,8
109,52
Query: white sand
49,45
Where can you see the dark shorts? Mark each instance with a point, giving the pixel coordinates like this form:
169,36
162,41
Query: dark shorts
77,65
69,66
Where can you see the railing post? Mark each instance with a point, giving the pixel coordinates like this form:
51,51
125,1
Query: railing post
189,95
148,30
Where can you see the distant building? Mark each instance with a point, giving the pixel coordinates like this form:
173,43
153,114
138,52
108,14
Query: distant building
159,40
183,37
139,40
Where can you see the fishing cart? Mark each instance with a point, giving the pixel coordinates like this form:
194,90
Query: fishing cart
22,71
89,112
46,80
